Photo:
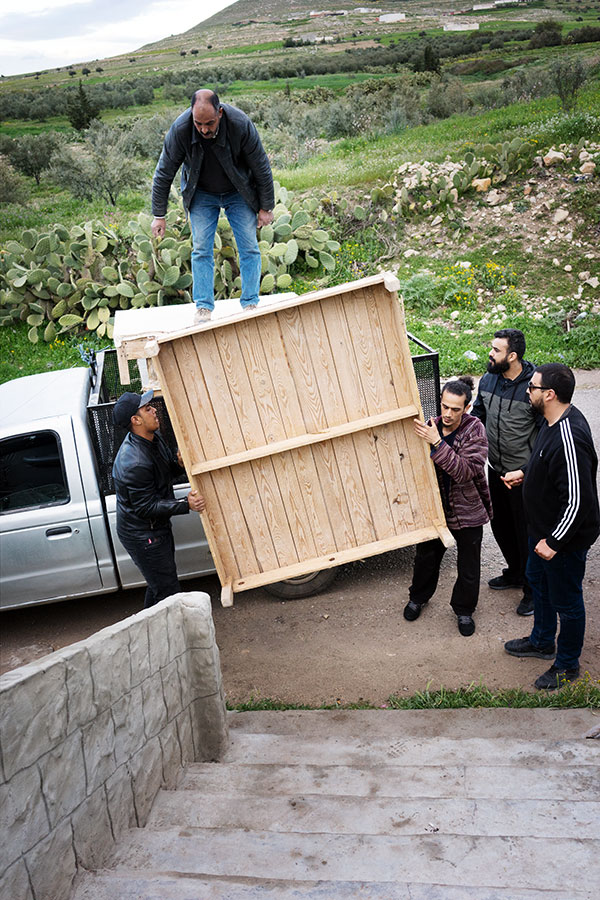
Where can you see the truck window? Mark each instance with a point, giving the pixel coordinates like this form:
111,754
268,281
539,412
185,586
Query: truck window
32,472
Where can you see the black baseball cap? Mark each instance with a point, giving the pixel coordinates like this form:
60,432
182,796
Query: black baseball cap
127,405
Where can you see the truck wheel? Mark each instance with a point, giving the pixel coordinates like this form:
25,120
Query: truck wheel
303,586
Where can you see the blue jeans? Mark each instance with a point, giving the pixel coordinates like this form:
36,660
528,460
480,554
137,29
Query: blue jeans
556,585
204,215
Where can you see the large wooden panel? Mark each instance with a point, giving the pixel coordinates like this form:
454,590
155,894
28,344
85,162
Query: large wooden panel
295,422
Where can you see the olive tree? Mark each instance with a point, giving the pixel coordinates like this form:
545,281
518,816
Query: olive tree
100,167
32,154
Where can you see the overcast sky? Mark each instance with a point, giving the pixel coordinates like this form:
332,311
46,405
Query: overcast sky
43,34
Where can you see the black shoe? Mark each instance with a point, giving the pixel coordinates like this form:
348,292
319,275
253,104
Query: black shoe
525,607
466,625
502,583
412,610
555,678
524,647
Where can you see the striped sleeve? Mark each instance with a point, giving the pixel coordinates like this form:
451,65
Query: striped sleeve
573,489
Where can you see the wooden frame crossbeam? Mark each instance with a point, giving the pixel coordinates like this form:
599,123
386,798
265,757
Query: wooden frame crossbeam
304,440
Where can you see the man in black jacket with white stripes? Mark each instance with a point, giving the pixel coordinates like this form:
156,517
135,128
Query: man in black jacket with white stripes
560,498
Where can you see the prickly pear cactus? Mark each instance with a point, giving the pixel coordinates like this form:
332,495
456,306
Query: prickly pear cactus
72,279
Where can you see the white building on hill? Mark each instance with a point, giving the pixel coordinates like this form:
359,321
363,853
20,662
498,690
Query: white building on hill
392,17
461,26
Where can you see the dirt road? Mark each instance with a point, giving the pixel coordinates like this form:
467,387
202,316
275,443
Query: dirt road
349,643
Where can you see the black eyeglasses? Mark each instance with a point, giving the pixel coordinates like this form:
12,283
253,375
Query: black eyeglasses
537,387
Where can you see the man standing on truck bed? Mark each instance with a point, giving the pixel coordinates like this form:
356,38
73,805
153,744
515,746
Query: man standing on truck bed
224,166
143,475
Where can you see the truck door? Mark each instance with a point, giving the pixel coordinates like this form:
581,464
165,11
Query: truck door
46,549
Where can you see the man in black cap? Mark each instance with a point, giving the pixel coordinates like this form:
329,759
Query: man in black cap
143,475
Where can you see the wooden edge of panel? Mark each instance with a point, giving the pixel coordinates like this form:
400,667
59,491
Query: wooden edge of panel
445,535
336,559
391,283
227,593
123,365
304,440
301,300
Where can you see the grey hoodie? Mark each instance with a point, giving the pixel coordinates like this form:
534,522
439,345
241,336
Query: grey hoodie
510,421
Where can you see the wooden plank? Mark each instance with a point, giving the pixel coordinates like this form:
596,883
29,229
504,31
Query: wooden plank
227,593
241,388
337,559
380,393
225,415
238,366
424,496
293,423
336,503
123,365
189,443
293,497
224,510
254,520
337,361
337,513
377,487
305,440
259,375
389,311
275,512
365,357
301,367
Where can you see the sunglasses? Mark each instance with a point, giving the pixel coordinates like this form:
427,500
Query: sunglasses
537,387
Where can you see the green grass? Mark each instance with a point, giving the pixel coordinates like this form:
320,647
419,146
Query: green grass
19,357
364,160
582,694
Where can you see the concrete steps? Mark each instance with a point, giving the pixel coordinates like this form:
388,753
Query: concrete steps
376,805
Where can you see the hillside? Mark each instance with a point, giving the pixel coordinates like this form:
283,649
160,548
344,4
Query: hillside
412,148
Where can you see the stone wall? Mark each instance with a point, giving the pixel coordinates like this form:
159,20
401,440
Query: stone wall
89,734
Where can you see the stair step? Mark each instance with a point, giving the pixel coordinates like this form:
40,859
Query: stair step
131,886
311,813
432,858
408,782
375,805
532,724
334,750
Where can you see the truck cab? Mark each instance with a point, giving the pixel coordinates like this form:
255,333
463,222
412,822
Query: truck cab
57,526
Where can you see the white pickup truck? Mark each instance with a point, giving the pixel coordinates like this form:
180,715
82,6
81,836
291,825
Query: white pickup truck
57,504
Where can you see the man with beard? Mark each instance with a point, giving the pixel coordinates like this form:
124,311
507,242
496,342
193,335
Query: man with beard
563,521
511,424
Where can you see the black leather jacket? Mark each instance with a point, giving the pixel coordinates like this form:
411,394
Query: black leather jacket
143,474
240,152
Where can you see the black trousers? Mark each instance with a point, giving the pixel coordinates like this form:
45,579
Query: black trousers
465,592
155,558
510,529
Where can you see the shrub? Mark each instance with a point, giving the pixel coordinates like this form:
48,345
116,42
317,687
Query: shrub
12,188
101,168
568,75
31,154
446,98
546,34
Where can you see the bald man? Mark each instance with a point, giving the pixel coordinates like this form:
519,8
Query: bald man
224,166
